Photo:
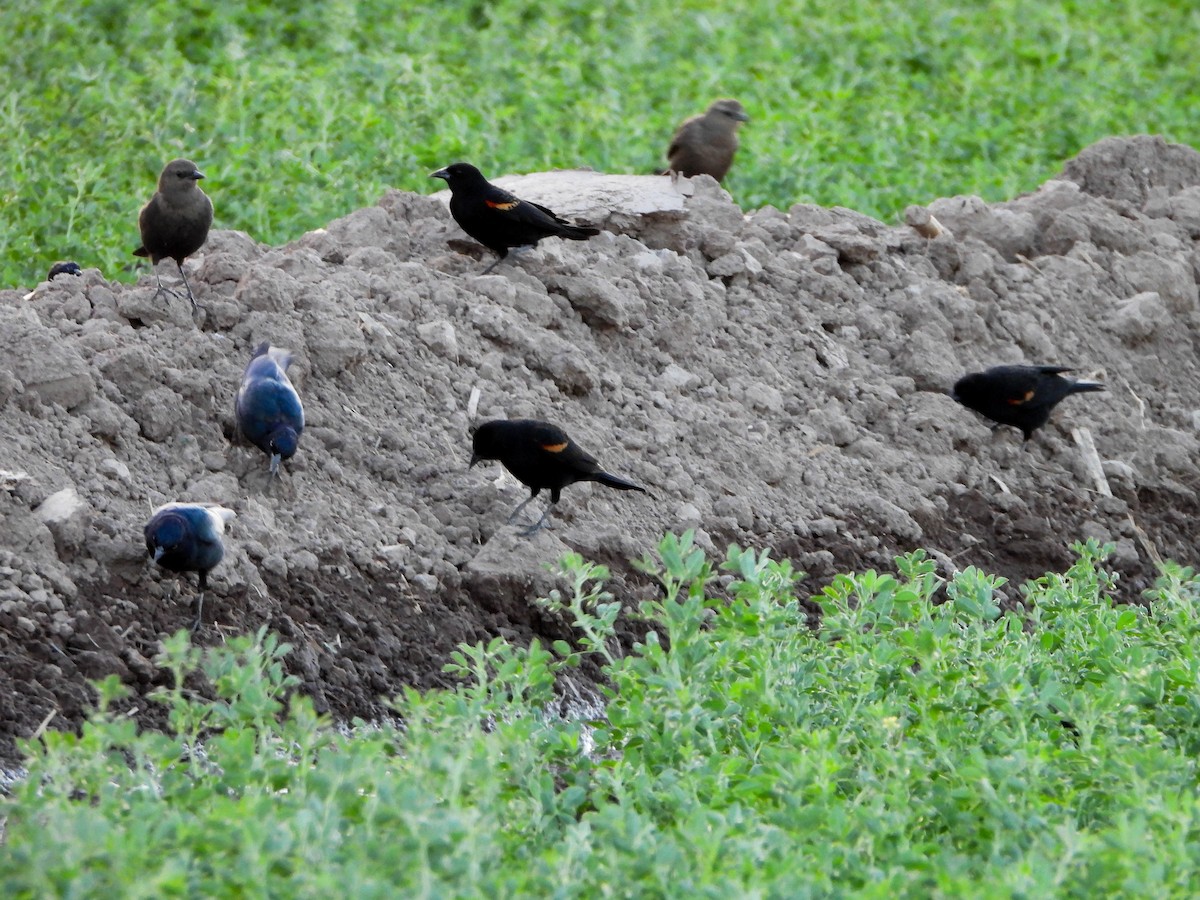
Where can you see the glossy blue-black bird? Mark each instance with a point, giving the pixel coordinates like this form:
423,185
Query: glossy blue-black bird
186,537
64,268
269,414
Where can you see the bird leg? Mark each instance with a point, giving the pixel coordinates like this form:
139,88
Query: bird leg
512,252
199,611
186,285
162,288
516,512
540,523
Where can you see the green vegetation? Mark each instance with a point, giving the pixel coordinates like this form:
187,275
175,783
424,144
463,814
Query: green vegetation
300,112
907,747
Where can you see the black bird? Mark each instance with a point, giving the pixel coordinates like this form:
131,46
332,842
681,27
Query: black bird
175,223
268,410
64,268
1021,396
540,455
705,144
498,219
186,537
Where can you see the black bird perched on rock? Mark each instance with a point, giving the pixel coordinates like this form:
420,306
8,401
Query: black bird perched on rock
268,410
1021,396
499,220
186,537
705,144
540,455
64,268
175,223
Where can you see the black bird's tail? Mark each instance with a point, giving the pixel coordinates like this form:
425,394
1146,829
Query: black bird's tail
578,233
614,482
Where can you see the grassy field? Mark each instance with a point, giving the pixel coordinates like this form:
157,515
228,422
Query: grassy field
907,748
301,112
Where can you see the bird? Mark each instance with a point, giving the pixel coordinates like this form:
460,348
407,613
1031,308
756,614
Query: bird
268,410
539,455
186,537
705,144
1021,396
499,220
175,223
64,268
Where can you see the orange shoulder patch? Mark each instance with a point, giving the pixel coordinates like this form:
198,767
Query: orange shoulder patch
1017,401
494,204
555,448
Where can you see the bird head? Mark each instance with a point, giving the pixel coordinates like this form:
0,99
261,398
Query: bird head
729,109
165,531
485,442
178,175
458,173
283,443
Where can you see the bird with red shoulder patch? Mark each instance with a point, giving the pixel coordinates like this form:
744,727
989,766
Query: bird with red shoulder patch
542,457
500,220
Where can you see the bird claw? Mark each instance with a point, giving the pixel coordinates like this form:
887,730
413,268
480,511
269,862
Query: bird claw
170,292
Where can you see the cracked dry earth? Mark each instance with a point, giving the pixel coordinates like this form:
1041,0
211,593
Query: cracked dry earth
775,378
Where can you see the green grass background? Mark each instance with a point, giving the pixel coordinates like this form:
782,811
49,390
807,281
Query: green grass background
303,111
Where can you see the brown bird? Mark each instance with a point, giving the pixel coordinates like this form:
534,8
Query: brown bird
705,144
540,455
499,220
175,223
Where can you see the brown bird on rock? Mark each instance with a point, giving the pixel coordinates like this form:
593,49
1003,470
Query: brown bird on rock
1021,396
499,220
175,223
540,455
705,144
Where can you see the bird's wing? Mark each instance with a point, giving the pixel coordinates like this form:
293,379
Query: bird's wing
685,132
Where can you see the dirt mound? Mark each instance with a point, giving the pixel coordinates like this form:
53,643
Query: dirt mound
776,379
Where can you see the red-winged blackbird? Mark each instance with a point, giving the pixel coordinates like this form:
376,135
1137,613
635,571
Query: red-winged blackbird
540,455
499,220
175,223
268,410
186,537
1021,396
705,144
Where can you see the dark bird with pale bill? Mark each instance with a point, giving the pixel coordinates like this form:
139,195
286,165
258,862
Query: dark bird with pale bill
187,537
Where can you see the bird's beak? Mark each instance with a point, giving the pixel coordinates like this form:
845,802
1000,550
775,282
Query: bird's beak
475,457
196,175
275,458
440,173
741,117
158,552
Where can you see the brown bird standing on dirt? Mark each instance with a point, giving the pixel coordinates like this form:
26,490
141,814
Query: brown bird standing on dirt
705,144
540,455
499,220
175,223
1021,396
